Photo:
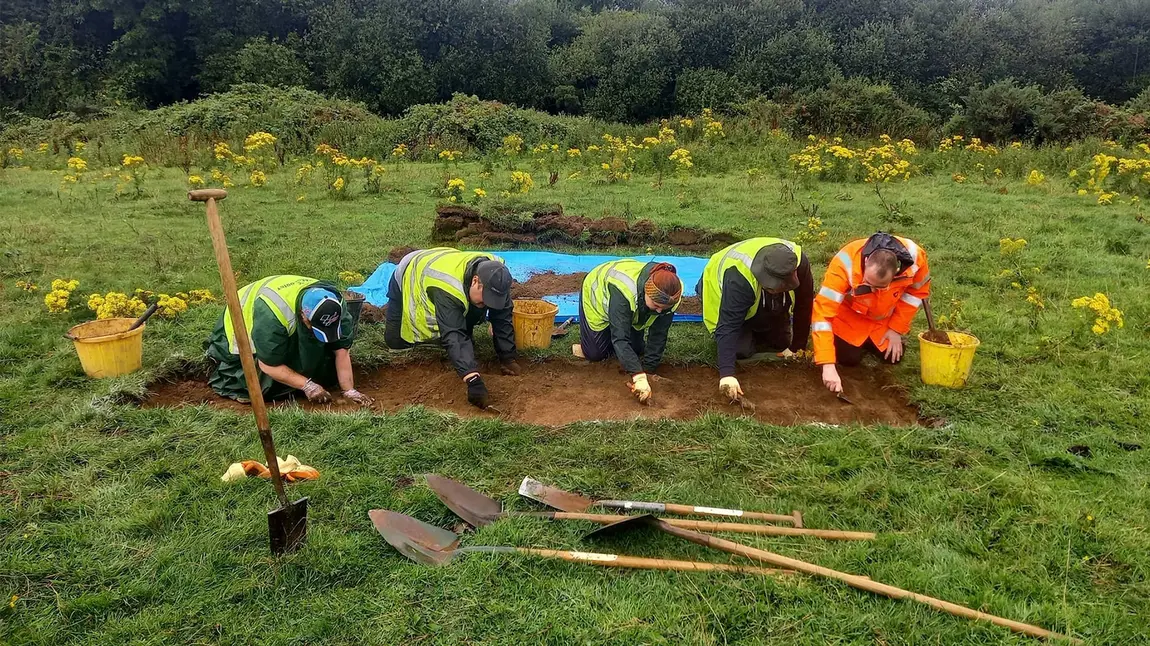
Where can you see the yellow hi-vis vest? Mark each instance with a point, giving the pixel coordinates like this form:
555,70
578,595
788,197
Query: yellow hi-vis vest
281,293
624,275
740,256
440,267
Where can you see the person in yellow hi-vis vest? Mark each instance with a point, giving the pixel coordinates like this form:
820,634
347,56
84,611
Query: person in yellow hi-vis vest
300,333
622,300
439,296
757,297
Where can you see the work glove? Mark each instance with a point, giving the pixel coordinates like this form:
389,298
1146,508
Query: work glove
787,354
730,387
477,392
358,397
640,387
316,393
511,368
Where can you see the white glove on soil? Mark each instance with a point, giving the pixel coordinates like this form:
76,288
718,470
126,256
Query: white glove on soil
358,397
316,393
640,388
730,387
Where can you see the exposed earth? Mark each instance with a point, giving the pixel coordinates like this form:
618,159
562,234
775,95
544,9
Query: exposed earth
559,392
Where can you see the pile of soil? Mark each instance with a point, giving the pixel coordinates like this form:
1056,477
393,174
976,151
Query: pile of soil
556,393
549,283
690,305
373,314
548,225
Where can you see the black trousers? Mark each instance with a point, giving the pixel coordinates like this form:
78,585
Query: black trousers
394,319
597,346
766,331
850,355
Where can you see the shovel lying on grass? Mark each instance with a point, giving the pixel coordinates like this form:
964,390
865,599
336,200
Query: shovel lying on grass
855,581
479,510
431,545
567,501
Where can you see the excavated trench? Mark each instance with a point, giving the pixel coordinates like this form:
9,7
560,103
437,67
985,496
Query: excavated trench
559,392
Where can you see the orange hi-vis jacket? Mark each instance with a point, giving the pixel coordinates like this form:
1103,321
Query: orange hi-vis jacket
853,317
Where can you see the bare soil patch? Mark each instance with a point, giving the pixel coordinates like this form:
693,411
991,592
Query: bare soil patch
556,393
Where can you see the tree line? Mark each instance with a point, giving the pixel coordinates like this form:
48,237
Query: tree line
622,60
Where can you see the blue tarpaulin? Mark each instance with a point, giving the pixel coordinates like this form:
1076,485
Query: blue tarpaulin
525,264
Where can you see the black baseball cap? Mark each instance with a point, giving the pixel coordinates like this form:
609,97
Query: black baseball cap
323,310
496,281
775,267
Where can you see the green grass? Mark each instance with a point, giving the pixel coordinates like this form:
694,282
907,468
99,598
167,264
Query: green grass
114,526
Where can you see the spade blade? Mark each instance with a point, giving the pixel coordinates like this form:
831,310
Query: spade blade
628,524
552,497
417,540
470,505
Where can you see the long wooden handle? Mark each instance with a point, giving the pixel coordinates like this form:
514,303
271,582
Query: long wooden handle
862,583
795,518
710,526
247,358
929,314
641,563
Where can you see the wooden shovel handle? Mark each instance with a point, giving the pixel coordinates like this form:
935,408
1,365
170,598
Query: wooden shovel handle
641,563
243,342
710,526
862,583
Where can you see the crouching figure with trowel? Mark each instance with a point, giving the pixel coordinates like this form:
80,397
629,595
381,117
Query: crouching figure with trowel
870,294
621,301
757,298
300,332
439,296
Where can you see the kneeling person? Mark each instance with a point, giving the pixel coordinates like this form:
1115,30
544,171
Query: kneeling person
757,297
870,294
440,295
300,333
622,300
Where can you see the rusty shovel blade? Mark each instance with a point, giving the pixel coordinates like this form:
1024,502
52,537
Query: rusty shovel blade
552,497
843,399
470,505
415,539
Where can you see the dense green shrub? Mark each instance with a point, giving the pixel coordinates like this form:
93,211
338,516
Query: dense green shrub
858,108
696,89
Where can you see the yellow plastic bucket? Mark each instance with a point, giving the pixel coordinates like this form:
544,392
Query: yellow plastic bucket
107,348
947,365
533,321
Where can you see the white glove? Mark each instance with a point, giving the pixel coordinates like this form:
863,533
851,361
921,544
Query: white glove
787,354
316,393
640,388
730,387
358,397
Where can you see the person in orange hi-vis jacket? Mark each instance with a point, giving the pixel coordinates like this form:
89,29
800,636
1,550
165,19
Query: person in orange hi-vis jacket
869,296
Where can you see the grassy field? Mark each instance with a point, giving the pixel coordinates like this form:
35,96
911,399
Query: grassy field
114,526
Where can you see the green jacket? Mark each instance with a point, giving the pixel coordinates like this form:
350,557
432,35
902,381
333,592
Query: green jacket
298,350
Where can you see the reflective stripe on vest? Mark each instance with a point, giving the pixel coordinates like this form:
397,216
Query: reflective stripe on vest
624,275
279,293
740,255
442,268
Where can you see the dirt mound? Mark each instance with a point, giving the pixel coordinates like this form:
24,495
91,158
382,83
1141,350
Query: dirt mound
690,305
555,393
373,314
548,283
549,225
397,253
